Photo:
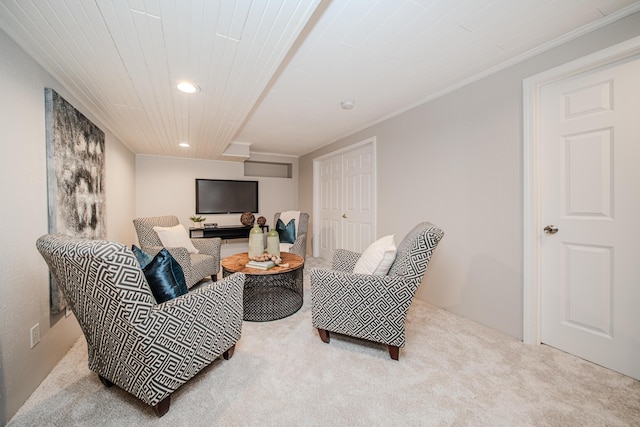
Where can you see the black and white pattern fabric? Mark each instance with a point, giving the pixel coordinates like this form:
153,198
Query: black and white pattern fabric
145,348
299,246
345,260
367,306
195,266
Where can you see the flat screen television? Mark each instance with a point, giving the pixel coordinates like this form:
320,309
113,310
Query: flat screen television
225,196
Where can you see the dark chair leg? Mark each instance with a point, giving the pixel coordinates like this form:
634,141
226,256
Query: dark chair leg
324,335
229,353
394,352
105,381
162,407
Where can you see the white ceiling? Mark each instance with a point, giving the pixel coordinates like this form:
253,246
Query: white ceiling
273,73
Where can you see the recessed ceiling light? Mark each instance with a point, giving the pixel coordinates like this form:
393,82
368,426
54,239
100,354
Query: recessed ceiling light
187,87
348,104
184,145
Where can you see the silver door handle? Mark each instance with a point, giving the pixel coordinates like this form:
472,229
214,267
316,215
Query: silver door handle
551,229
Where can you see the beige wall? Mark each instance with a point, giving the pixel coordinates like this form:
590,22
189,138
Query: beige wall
24,292
166,186
457,162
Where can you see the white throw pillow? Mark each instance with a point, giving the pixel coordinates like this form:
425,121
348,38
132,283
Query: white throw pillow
284,247
377,258
175,237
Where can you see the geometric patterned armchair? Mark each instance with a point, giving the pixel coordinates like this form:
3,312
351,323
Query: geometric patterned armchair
145,348
368,306
299,246
195,266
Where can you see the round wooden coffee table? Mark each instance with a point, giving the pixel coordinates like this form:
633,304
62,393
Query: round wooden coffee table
269,294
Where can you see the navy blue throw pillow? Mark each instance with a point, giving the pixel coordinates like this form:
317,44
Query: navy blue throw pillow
287,232
143,258
165,277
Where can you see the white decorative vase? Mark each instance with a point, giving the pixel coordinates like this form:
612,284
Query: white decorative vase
273,243
256,241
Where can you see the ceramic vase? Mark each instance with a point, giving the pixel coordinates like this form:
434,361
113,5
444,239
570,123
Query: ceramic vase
256,241
273,243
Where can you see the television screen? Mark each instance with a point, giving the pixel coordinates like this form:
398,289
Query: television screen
223,196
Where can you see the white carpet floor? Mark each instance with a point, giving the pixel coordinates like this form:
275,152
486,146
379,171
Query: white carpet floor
451,372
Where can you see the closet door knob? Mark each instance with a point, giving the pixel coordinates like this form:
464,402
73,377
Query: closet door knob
344,215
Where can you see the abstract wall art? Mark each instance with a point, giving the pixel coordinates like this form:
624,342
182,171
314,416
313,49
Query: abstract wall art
75,176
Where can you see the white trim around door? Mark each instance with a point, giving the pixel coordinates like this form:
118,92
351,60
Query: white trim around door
532,88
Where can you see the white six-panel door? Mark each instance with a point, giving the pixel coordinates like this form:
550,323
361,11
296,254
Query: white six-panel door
330,205
359,196
589,133
345,203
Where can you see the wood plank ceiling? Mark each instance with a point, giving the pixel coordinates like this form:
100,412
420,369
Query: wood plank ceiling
272,74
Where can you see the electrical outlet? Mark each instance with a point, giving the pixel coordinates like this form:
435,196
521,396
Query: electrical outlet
34,333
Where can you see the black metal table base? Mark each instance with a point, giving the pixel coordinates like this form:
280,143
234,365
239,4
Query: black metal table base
271,296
